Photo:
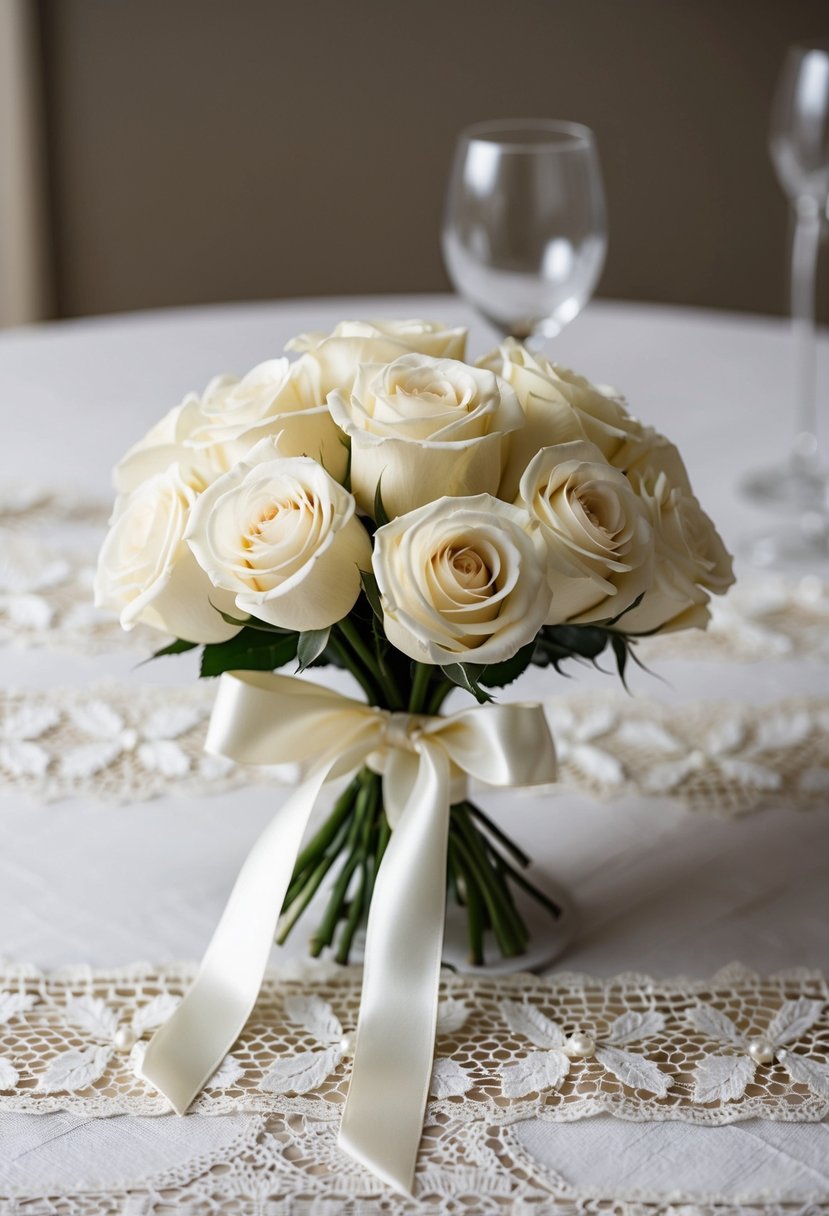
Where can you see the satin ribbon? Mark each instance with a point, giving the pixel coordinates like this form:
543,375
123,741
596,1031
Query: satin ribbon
261,718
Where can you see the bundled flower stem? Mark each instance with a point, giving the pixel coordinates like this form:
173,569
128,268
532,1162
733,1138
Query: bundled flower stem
483,863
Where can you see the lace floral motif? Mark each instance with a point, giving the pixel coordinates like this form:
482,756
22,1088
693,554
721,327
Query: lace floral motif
128,744
725,757
306,1071
725,1078
542,1070
66,1045
114,743
46,600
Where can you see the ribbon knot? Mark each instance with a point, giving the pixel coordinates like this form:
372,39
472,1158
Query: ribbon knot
402,730
262,718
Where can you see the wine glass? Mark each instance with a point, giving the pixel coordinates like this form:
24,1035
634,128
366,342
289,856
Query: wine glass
524,231
799,147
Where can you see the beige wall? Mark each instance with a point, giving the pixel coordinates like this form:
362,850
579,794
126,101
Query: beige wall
208,150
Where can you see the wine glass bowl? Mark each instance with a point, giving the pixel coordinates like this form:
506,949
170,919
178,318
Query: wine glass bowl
524,233
799,136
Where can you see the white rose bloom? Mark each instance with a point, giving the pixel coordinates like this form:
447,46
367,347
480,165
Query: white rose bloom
212,432
656,455
461,580
691,560
428,427
148,574
161,447
599,542
282,537
338,360
425,337
275,398
561,407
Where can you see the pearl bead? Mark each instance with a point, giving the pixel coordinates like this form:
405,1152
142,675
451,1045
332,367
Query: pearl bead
580,1045
761,1050
347,1044
124,1038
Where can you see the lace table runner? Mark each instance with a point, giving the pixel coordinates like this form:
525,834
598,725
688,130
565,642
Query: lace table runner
732,1047
125,744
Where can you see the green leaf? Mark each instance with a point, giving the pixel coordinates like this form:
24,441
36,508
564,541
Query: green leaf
380,516
466,677
496,675
587,641
372,593
621,650
179,646
556,643
311,644
250,650
251,622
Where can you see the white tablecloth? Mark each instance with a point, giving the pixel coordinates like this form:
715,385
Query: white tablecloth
659,889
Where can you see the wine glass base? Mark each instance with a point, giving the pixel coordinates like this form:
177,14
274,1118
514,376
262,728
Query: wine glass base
799,546
794,486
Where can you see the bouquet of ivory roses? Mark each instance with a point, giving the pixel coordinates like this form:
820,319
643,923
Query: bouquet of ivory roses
381,505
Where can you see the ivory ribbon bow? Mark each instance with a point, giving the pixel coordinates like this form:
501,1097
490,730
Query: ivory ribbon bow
261,718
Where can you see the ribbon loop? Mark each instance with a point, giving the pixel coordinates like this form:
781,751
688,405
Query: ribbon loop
262,718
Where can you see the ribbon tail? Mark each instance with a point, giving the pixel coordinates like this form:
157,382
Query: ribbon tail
383,1118
185,1052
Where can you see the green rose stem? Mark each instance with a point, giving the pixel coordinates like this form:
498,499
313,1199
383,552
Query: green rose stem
373,693
372,662
307,883
320,841
325,933
471,897
355,911
420,687
502,838
508,927
538,895
381,839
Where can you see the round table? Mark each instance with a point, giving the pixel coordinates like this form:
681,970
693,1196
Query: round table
659,890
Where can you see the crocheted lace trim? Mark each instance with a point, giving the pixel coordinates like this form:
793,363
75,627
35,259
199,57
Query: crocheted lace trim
713,1051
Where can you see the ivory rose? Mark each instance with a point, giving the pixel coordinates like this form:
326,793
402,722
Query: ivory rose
599,541
282,537
428,427
147,573
461,580
561,407
424,337
691,559
211,432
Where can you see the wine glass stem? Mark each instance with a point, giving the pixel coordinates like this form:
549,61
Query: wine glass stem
805,247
